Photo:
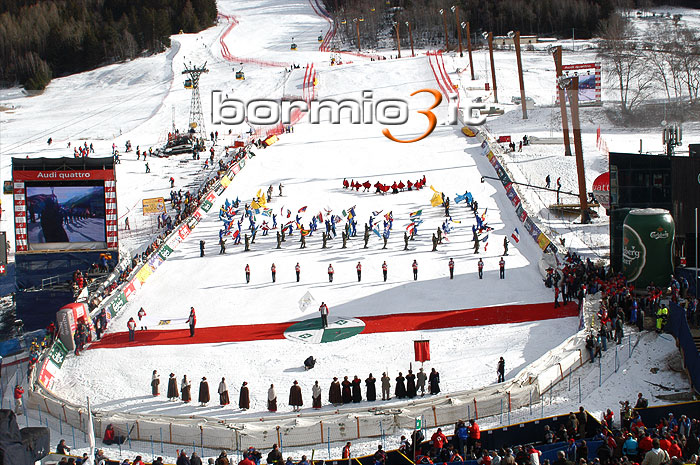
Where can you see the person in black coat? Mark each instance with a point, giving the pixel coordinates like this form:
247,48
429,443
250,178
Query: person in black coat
400,390
347,393
334,395
203,392
411,385
371,388
356,390
173,392
434,381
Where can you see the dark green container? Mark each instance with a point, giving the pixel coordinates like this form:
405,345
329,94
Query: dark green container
647,247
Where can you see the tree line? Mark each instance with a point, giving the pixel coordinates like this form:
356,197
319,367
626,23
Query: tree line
658,64
545,18
40,40
552,18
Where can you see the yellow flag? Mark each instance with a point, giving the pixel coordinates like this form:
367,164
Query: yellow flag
436,200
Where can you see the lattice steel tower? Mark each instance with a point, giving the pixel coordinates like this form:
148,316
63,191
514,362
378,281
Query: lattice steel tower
196,114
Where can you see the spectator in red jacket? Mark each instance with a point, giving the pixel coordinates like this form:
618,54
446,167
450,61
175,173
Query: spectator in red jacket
19,391
675,450
474,435
439,439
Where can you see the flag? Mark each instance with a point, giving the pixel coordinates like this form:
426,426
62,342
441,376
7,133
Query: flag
320,217
389,216
377,213
485,240
456,221
306,301
516,236
344,213
351,212
302,209
91,435
436,200
416,213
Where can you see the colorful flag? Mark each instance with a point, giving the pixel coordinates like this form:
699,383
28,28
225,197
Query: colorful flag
516,236
377,213
389,216
416,213
436,200
302,209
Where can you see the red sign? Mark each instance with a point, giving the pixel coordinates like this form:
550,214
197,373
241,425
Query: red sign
601,189
77,175
184,231
2,269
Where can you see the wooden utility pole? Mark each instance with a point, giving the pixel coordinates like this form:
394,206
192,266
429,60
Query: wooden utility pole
444,23
410,37
516,40
493,68
398,38
459,30
572,90
357,28
562,102
469,49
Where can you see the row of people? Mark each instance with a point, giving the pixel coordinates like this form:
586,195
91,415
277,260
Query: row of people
345,392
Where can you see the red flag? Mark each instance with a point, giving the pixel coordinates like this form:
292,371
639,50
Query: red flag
422,350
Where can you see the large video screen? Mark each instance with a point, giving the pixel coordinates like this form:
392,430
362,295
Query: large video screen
65,216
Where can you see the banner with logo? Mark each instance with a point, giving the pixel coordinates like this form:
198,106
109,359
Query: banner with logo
542,240
155,206
58,353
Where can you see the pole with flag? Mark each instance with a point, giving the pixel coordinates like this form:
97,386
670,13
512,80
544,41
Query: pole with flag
91,436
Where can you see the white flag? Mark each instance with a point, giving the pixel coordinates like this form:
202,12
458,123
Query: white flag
305,301
91,436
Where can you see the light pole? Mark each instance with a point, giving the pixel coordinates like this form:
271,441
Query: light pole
571,85
357,29
469,46
410,37
455,10
556,52
444,23
398,38
489,36
516,40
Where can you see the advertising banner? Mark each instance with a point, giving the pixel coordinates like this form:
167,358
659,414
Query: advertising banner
155,206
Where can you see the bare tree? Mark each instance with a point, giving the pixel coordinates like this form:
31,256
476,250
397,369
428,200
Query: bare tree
625,62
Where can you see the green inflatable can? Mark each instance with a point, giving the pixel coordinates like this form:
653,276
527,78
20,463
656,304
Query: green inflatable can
647,247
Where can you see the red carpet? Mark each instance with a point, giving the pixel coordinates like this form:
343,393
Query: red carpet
373,324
